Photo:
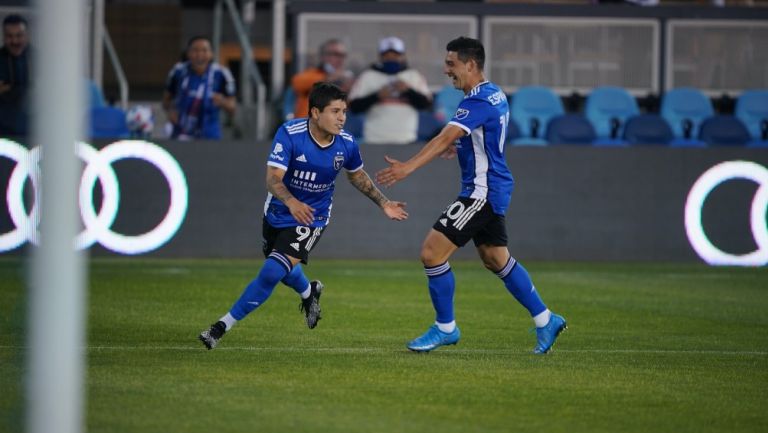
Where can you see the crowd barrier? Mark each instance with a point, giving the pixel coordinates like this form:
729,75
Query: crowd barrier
205,199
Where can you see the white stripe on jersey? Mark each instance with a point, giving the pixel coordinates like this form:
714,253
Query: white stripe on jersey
297,128
481,164
278,165
347,136
266,202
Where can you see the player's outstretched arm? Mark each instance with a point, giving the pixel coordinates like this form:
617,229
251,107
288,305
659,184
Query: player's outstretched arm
437,146
303,213
392,209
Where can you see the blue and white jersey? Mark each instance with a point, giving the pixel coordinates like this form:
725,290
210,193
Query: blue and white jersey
193,99
310,170
484,114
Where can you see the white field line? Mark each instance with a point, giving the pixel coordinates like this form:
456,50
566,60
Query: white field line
364,350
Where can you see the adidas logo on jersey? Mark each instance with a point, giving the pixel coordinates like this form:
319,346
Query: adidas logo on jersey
301,158
444,222
295,246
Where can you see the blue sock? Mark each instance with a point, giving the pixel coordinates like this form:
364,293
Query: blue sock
519,284
296,280
442,285
275,268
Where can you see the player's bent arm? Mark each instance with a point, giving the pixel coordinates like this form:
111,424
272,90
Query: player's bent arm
360,180
435,147
303,213
392,209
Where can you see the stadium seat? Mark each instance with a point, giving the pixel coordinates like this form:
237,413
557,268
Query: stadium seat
570,129
428,127
354,125
108,122
447,101
608,109
724,130
532,108
647,129
752,110
685,109
95,96
289,103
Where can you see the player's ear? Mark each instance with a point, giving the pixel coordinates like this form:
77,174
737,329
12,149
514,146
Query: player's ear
314,113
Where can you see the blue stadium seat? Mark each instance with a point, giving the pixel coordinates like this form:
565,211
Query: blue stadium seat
647,129
724,130
95,97
608,109
685,109
428,127
570,129
447,101
354,125
532,108
752,110
108,122
289,103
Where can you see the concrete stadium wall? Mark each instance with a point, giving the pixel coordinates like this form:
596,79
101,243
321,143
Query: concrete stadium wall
570,203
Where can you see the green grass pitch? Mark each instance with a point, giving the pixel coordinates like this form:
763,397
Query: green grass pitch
650,348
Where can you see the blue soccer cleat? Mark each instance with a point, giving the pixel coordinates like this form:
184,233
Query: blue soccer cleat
546,335
434,338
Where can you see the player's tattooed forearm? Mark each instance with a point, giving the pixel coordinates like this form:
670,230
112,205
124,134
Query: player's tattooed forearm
276,186
360,180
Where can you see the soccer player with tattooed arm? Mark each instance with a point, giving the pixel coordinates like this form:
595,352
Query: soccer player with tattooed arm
307,155
476,135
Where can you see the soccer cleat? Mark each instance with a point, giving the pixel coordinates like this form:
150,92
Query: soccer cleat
311,305
211,337
546,335
434,338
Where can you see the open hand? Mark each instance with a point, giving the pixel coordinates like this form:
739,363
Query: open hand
390,175
395,210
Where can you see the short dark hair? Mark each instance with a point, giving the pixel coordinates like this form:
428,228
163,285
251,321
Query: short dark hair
14,19
323,93
468,49
196,38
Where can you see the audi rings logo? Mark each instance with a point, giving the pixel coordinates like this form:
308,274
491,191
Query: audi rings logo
98,166
698,194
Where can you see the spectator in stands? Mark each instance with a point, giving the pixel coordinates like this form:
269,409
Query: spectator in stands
15,77
332,68
390,94
196,91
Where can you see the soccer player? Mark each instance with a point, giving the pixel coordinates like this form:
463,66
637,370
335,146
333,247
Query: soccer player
307,154
476,133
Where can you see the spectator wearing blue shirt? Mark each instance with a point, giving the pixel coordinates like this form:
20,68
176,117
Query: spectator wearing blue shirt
196,91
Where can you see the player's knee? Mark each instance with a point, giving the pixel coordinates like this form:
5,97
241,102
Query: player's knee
429,256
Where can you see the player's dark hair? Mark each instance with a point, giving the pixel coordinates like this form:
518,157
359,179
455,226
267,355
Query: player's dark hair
14,19
323,93
468,49
196,38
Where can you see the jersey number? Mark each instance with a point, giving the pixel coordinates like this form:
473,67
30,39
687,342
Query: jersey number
504,120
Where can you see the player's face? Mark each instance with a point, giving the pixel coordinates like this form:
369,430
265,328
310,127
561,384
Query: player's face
200,53
15,38
456,70
332,118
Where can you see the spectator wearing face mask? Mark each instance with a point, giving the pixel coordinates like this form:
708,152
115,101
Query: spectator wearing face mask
331,68
390,94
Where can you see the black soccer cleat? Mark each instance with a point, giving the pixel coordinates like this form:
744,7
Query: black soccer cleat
311,305
211,337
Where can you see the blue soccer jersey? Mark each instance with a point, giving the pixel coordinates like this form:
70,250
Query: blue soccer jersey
484,114
310,170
